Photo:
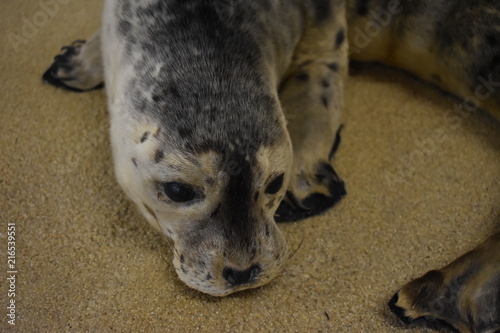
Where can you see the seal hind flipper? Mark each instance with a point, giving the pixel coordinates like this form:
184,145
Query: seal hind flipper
465,294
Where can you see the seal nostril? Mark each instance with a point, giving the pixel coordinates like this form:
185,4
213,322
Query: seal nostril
229,275
236,277
254,272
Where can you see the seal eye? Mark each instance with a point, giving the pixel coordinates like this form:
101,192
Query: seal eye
179,192
275,185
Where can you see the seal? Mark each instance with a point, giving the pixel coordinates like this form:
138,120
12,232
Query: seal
226,114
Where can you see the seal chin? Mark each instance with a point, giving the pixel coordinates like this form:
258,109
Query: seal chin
228,290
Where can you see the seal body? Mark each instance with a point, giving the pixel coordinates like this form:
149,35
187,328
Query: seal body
199,134
225,115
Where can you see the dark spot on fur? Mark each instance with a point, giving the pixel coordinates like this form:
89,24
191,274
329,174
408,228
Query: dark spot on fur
302,77
124,27
256,196
159,156
267,231
493,40
325,83
144,137
175,92
340,38
185,132
182,259
336,143
437,77
323,10
210,181
184,270
125,9
212,113
324,101
253,252
156,98
209,277
334,66
362,7
215,212
134,160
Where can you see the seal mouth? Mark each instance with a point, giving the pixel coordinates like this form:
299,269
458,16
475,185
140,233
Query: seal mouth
229,289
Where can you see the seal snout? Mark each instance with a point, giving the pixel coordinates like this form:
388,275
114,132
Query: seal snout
237,277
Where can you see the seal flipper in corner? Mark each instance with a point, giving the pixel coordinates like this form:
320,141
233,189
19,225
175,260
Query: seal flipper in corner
464,295
79,66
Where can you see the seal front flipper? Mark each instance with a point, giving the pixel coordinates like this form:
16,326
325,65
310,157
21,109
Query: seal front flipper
312,99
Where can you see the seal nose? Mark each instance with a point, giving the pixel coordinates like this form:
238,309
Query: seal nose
236,277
